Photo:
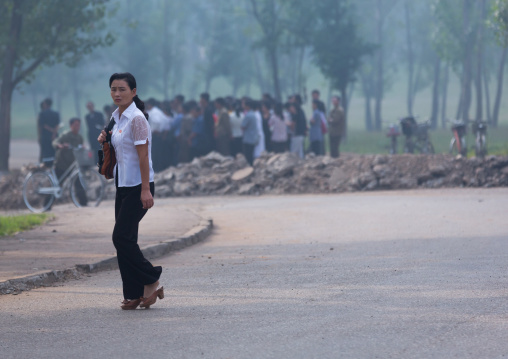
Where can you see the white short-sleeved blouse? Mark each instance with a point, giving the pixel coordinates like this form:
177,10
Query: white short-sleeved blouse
130,130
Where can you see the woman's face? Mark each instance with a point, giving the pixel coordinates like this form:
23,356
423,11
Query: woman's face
121,94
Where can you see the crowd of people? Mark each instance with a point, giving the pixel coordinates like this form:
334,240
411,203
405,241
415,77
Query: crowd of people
183,130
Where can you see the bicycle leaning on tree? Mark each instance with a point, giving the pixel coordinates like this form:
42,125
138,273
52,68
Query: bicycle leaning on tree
417,136
480,132
458,142
86,186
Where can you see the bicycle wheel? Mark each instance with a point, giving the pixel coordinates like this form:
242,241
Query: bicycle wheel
481,146
453,147
428,148
463,147
87,188
38,192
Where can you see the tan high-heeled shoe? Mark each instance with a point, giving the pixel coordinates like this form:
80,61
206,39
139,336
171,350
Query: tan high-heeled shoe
147,302
130,304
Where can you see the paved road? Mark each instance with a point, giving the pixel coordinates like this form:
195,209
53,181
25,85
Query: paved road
373,275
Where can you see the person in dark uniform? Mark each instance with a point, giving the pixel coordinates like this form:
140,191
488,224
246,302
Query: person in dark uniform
95,124
47,126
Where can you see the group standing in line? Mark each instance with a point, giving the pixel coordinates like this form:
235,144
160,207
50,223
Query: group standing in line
182,130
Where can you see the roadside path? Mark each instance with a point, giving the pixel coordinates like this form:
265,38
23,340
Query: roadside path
83,236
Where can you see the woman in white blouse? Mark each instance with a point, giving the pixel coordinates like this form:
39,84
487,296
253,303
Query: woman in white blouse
132,140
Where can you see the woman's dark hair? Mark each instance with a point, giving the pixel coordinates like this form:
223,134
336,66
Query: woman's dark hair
131,81
166,108
220,101
267,105
74,119
277,109
238,107
298,99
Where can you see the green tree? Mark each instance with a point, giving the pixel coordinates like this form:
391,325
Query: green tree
337,46
500,24
37,33
270,16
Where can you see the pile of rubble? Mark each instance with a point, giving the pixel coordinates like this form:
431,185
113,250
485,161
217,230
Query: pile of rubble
286,173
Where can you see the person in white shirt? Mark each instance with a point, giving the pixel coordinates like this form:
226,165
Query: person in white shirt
260,147
236,118
132,140
160,124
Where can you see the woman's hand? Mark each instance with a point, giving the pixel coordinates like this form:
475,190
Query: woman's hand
146,199
102,137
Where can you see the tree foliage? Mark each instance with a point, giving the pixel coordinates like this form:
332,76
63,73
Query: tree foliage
337,46
500,21
37,33
53,31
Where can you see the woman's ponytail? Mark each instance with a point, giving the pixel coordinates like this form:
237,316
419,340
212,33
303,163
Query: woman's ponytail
140,105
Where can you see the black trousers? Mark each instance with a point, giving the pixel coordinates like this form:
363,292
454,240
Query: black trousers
334,146
248,152
135,270
316,147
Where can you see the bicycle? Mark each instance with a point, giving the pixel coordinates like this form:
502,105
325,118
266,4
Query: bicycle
458,141
42,186
393,133
480,131
417,136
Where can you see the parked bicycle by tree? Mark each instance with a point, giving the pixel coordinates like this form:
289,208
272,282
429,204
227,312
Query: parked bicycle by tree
417,136
458,141
480,131
86,186
393,134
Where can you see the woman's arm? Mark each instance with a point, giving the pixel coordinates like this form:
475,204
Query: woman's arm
144,167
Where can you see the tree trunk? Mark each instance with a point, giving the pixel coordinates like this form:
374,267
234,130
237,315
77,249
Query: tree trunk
274,62
7,86
410,60
460,107
262,86
380,68
368,108
499,92
487,94
165,51
301,61
435,93
467,61
344,101
479,66
445,96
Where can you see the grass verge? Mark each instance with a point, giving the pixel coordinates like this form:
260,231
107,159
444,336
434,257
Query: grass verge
13,224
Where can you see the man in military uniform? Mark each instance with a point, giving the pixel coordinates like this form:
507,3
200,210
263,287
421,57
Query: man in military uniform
47,129
65,156
336,124
222,128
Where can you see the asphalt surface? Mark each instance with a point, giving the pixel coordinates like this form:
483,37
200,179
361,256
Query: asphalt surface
373,275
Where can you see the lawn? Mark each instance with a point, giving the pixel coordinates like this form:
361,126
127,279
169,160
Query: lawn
14,224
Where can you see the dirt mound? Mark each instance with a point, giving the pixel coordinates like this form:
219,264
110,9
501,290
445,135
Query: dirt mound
286,173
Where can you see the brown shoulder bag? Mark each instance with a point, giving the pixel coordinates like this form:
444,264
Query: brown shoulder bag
107,156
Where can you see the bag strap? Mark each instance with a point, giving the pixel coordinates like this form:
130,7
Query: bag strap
109,128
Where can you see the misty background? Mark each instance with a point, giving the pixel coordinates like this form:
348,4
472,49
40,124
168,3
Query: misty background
437,59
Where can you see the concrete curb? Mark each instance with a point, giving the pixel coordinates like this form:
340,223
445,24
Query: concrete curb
195,235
